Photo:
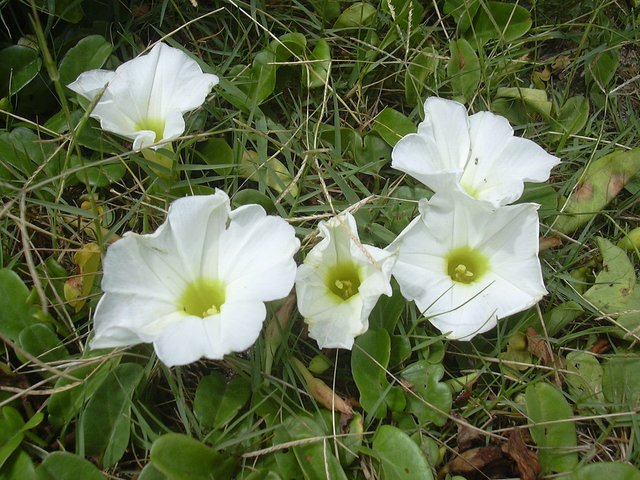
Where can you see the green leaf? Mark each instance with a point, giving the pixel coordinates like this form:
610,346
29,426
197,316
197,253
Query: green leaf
90,53
316,460
602,470
358,15
272,172
150,472
603,179
15,311
463,70
502,21
288,45
41,341
621,382
400,457
462,11
615,291
573,115
218,400
532,98
180,457
64,405
558,441
561,316
392,125
18,66
217,153
369,359
316,73
67,466
435,398
18,467
584,377
387,311
602,68
423,65
106,420
327,10
12,430
248,196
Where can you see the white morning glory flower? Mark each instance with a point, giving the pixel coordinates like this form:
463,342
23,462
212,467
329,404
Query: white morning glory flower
197,286
467,264
145,98
340,282
476,153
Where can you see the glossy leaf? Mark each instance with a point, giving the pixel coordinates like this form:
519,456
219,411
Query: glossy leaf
603,179
615,290
16,312
463,70
499,20
392,125
90,53
18,66
67,466
218,399
621,382
181,457
608,470
369,359
316,460
573,115
358,15
558,441
316,72
423,65
41,341
433,401
288,45
217,153
463,11
272,172
106,420
400,457
584,377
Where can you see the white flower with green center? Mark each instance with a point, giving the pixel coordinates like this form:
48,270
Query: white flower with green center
340,282
478,154
197,286
145,98
467,264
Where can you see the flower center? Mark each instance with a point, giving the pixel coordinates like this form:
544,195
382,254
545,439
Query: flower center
466,265
203,297
343,280
155,125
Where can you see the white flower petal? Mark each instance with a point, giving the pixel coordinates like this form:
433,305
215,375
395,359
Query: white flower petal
334,322
156,286
507,237
256,255
477,154
236,328
446,122
197,224
89,84
147,96
125,319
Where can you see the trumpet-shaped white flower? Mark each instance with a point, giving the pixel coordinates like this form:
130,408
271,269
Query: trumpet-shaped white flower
340,282
145,98
467,264
476,153
197,286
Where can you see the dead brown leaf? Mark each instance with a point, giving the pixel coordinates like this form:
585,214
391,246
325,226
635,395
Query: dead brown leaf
526,460
475,460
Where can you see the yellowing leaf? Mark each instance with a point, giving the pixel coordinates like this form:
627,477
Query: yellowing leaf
78,288
272,172
601,182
